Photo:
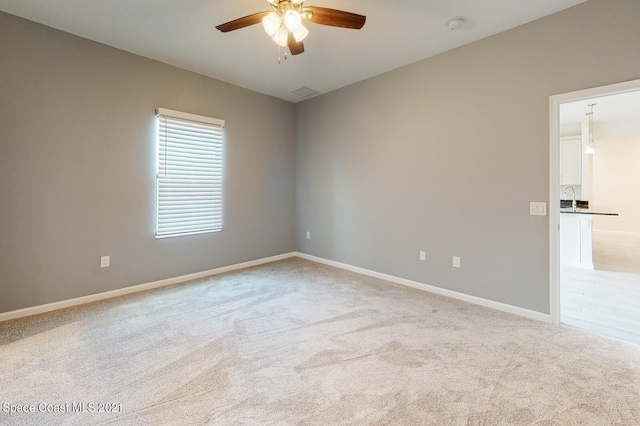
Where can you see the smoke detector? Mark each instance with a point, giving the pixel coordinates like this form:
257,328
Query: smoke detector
455,23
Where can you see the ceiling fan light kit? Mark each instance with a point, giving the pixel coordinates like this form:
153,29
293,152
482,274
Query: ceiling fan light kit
281,37
300,33
292,19
284,23
271,23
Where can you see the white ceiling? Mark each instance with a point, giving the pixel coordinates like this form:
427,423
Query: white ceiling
614,107
182,33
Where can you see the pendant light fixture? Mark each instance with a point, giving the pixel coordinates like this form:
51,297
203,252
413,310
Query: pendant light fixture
591,146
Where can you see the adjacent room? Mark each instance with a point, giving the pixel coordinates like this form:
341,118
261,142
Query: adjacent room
205,219
600,239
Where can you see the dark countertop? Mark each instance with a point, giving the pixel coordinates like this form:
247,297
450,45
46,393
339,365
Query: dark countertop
594,210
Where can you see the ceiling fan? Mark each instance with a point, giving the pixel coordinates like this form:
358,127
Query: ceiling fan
284,23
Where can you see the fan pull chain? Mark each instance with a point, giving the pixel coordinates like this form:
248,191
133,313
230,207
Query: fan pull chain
285,55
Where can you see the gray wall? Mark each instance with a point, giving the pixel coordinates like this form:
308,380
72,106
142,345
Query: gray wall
77,150
445,155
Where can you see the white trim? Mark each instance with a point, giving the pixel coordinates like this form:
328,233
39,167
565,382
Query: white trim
190,117
431,289
137,288
189,277
554,210
554,181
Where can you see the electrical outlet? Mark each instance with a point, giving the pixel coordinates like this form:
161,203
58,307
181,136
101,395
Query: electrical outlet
308,235
423,255
456,262
105,261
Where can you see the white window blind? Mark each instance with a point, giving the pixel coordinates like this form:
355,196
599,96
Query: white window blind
189,174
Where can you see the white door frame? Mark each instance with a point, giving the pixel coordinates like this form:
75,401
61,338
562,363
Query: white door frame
554,178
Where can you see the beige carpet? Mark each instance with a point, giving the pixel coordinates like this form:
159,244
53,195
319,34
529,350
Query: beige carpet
295,342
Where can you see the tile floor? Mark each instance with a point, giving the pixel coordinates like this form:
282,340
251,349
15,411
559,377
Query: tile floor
605,300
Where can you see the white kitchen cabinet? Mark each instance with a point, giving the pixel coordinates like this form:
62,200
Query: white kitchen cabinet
576,247
571,160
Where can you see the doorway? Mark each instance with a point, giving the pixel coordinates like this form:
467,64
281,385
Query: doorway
590,288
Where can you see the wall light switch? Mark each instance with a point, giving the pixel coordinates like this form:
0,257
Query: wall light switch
423,255
538,208
456,262
308,235
105,261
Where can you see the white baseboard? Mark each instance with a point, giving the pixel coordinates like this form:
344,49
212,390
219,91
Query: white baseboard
436,290
137,288
177,280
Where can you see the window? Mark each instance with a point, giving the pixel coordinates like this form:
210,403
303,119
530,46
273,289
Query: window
189,174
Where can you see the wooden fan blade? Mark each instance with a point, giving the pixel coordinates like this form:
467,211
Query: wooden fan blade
296,47
245,21
336,18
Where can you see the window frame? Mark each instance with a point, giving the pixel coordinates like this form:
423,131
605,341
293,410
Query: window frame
189,174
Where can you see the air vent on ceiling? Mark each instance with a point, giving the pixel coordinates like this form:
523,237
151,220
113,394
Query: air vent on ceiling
305,92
